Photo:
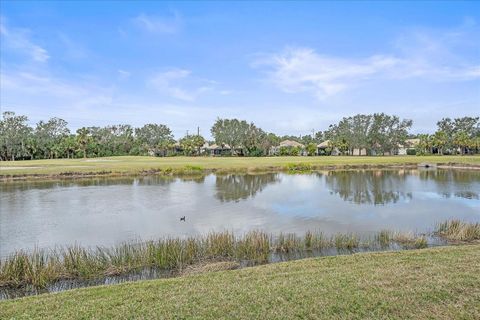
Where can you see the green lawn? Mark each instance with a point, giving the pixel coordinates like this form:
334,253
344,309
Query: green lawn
440,283
133,165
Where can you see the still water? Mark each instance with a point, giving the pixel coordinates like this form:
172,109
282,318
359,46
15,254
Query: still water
108,211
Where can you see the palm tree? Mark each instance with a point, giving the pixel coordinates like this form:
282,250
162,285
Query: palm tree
440,140
83,139
461,141
425,144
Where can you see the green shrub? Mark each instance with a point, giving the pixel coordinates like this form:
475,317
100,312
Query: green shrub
299,167
193,168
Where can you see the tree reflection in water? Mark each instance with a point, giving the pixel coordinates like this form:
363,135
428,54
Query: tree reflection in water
370,186
448,182
234,187
389,186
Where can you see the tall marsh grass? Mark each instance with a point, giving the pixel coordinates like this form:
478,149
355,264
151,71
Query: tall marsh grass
42,267
456,230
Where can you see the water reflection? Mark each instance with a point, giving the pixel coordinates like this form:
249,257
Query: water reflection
107,211
465,180
23,185
389,186
373,187
236,187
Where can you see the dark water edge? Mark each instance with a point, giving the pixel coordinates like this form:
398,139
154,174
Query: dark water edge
7,293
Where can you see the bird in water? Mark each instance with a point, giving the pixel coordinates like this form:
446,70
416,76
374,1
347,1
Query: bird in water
182,219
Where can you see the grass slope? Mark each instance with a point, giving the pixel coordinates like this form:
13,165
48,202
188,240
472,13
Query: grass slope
441,283
133,165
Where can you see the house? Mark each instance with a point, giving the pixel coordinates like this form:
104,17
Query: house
359,152
215,150
324,148
410,144
177,148
289,145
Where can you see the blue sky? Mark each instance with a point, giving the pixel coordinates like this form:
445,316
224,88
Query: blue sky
290,67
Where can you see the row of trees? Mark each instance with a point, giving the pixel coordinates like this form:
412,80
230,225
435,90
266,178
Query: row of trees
52,139
376,134
458,135
243,137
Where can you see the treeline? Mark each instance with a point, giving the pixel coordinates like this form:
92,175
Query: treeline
376,134
458,135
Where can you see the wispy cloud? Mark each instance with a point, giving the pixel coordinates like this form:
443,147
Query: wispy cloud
123,74
73,49
20,40
31,83
179,84
159,24
45,95
302,69
419,54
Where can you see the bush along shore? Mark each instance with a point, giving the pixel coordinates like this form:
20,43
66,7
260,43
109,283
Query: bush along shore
41,268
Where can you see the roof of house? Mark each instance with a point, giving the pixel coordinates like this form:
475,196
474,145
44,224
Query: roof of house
324,144
215,146
412,141
291,143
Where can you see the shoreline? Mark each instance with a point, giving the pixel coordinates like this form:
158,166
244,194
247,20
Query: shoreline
294,165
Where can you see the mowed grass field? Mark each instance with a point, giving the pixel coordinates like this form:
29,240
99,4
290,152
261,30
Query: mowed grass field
137,164
435,283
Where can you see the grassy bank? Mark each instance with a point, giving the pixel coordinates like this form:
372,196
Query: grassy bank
139,165
440,283
42,267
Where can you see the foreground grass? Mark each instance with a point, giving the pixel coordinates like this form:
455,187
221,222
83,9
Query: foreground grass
441,283
135,165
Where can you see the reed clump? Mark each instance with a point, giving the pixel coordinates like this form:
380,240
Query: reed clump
384,238
456,230
409,240
346,241
255,246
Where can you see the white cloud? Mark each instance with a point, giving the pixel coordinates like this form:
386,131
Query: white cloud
178,84
123,75
157,24
302,69
19,40
419,54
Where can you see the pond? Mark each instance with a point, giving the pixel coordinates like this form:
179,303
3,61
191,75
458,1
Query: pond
108,211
